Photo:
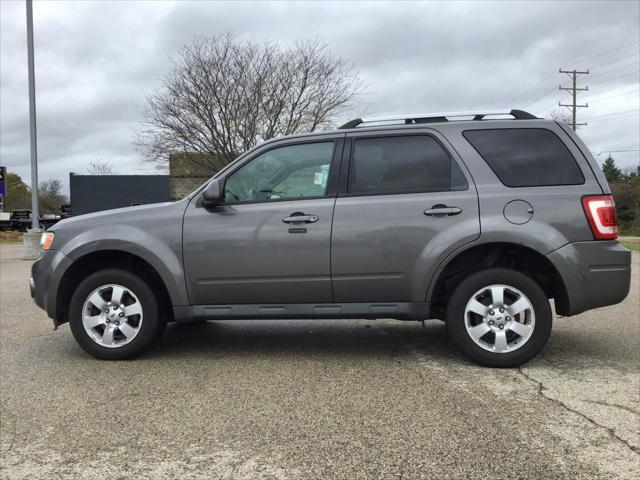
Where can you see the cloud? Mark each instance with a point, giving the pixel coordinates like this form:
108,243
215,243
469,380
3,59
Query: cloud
95,61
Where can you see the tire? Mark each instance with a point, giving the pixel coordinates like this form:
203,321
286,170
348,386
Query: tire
486,333
136,313
160,332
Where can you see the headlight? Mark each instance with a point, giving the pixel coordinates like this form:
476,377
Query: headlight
46,240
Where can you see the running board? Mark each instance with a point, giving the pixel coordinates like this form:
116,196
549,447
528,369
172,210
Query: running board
395,310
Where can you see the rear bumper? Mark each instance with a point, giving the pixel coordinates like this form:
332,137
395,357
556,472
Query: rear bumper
595,274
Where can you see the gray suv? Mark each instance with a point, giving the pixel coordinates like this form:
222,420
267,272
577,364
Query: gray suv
477,219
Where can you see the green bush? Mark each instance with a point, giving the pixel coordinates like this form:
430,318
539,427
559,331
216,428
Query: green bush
626,191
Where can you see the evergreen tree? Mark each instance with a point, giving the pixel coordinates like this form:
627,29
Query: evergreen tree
610,170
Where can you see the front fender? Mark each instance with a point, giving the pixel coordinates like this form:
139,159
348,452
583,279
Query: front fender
164,256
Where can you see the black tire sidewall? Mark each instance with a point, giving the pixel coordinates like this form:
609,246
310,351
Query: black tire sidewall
456,319
151,324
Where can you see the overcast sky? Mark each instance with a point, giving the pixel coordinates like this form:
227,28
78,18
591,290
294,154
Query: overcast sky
95,62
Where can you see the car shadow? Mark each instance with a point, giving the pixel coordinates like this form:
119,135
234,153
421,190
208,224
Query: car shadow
346,339
303,338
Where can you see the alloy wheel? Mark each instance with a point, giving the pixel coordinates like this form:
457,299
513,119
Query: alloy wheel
112,315
499,318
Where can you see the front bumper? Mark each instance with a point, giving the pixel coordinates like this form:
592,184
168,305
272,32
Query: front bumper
46,275
595,274
32,289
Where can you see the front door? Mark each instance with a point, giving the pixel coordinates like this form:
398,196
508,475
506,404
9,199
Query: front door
270,241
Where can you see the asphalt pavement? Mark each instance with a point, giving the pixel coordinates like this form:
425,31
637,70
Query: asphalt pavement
316,400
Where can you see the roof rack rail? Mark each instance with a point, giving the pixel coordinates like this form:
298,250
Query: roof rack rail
410,119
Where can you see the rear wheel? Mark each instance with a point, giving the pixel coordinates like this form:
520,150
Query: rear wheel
499,317
114,315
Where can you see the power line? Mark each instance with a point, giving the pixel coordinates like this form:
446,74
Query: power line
615,78
591,99
617,68
613,96
534,87
573,91
616,89
608,51
635,55
617,113
540,98
554,104
531,89
615,151
624,113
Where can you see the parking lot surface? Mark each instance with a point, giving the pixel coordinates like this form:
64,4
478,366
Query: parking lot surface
316,400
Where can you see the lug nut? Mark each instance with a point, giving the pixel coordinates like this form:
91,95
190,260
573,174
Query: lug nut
501,326
118,323
121,314
491,312
502,310
108,321
106,310
491,322
508,319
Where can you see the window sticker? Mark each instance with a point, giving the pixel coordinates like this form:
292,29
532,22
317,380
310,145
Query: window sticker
321,177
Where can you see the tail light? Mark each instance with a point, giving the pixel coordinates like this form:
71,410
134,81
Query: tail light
601,213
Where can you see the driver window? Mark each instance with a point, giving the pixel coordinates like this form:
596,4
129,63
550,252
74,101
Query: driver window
290,172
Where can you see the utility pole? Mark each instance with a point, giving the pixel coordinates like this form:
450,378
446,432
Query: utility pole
30,239
32,119
573,91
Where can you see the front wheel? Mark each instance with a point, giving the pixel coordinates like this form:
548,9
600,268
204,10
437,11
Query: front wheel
499,317
114,315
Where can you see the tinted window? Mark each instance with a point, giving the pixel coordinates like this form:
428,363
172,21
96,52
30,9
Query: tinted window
402,165
289,172
526,157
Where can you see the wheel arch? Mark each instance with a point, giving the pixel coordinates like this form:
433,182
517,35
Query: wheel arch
93,261
477,257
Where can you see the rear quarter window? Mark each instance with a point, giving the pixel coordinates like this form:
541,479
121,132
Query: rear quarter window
526,157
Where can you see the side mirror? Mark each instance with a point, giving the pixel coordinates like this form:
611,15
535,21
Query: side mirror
212,195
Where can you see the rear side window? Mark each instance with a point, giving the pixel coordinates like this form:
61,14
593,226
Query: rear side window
526,157
408,164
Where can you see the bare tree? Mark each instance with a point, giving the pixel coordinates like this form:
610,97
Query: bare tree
223,96
50,196
100,167
562,116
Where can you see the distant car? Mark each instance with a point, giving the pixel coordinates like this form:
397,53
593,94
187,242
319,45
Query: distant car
20,219
474,219
5,221
49,219
65,210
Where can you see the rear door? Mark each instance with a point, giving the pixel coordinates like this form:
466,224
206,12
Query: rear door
405,201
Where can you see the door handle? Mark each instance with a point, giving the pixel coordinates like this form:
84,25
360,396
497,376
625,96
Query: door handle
442,211
299,217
